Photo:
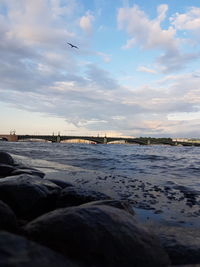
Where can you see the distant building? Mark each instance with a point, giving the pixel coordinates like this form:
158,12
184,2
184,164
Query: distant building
188,140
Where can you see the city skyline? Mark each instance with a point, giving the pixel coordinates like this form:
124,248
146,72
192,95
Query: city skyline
135,72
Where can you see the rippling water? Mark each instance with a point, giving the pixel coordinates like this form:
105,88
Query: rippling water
156,163
117,169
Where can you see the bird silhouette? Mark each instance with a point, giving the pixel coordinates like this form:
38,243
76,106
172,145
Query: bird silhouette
72,46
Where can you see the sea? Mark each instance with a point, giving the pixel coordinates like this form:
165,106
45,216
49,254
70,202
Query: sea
161,182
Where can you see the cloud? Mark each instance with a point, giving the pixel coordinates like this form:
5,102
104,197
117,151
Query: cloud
36,22
39,73
149,35
145,69
86,101
86,22
106,57
145,32
187,21
173,61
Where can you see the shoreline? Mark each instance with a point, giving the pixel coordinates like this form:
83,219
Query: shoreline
153,203
30,198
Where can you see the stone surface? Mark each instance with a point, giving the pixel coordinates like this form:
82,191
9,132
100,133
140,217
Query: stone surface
181,244
8,219
28,171
28,196
6,170
60,183
17,251
120,204
99,236
6,158
74,196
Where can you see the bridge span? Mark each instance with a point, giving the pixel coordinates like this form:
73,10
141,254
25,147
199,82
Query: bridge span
61,138
12,137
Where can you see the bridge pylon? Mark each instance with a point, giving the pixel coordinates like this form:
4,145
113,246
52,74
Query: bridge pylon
58,139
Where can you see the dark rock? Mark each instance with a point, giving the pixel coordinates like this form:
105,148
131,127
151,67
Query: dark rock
6,170
28,196
99,236
60,183
182,244
17,251
74,196
8,219
123,205
5,158
28,171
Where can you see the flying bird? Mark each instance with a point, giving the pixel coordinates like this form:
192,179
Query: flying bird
72,46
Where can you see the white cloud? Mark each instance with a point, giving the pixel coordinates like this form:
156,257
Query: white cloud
187,21
145,69
106,57
86,22
145,32
149,35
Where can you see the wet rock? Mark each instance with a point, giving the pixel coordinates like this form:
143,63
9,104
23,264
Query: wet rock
158,211
188,265
17,251
6,158
6,170
8,219
98,236
74,196
28,196
123,205
60,183
28,171
181,244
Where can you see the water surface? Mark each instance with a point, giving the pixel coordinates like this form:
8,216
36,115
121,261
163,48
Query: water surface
161,182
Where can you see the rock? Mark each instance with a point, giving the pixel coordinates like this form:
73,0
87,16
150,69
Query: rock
28,171
6,158
6,170
28,196
60,183
188,265
17,251
181,244
8,219
74,196
99,236
120,204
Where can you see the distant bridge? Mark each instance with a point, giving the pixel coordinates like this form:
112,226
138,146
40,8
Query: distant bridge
95,139
60,138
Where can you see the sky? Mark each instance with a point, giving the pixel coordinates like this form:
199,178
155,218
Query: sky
136,71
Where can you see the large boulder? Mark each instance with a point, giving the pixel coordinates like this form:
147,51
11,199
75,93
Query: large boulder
74,196
6,170
181,243
98,236
8,219
119,204
30,171
29,196
6,158
60,182
17,251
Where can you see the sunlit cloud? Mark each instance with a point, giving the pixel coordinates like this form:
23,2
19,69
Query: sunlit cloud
86,22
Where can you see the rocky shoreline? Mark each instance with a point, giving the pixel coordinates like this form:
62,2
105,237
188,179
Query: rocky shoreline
50,222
